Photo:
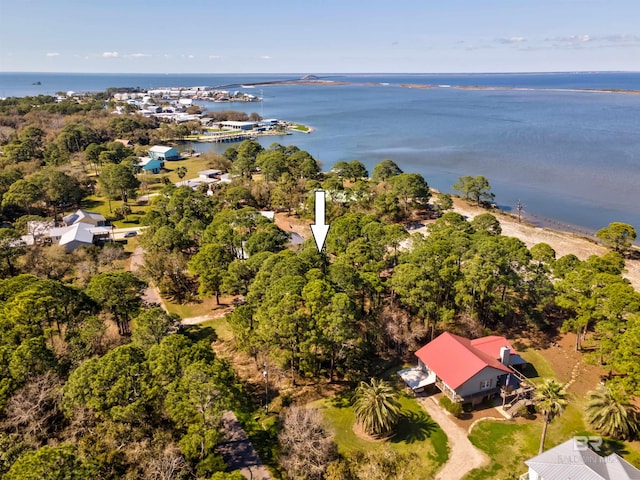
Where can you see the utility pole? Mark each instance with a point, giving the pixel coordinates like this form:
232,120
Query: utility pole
519,208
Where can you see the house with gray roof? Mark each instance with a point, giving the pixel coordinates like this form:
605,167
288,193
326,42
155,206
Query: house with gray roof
83,216
574,460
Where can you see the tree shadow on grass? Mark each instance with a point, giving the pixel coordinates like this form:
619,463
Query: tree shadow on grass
414,427
89,204
529,371
342,399
197,333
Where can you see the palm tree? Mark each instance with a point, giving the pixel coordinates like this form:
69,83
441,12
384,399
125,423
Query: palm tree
611,415
181,171
376,406
551,398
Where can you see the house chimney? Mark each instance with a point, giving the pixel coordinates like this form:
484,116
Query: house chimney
505,356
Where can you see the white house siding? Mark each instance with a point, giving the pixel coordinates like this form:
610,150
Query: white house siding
472,386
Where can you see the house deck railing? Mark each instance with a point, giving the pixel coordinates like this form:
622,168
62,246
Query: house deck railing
444,388
524,476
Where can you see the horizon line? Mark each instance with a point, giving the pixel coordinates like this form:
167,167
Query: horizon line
523,72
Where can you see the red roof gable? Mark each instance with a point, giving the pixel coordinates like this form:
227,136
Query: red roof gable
456,359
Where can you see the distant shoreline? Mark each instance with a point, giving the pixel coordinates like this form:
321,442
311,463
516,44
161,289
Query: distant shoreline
425,86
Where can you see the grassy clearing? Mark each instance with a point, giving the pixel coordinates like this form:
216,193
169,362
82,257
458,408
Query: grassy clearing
192,164
541,364
98,204
220,326
416,433
187,310
508,445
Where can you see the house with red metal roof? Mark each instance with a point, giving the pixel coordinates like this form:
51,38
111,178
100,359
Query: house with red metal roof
465,370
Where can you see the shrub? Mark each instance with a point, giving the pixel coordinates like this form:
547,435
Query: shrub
453,408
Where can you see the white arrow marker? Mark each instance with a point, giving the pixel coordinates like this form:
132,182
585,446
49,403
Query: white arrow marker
320,229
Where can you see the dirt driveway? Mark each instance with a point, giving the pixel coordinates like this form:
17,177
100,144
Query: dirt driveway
463,456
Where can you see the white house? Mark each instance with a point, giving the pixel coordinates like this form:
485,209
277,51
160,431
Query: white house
83,216
208,177
574,459
233,125
81,229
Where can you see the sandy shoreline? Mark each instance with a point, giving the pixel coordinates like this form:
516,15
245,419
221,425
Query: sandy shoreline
562,242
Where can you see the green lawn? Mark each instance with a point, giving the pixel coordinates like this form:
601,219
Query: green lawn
220,326
508,445
98,204
416,433
187,310
540,363
192,164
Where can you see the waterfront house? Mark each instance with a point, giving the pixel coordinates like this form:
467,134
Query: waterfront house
160,152
465,370
574,459
233,125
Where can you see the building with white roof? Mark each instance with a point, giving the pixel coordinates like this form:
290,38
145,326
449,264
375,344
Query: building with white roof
573,459
161,152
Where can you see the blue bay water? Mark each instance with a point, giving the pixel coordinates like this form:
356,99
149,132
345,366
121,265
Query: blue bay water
572,158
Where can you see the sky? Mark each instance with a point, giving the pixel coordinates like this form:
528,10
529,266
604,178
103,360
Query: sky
326,36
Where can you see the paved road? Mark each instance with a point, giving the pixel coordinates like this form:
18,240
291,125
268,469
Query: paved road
119,233
463,456
238,452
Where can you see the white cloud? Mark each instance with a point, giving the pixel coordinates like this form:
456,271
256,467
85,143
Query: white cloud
214,57
594,41
622,38
110,54
511,40
53,54
138,55
265,57
191,56
571,39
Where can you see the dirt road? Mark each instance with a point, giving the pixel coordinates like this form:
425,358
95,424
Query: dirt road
463,456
